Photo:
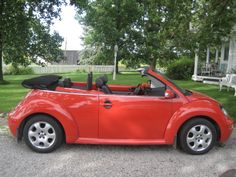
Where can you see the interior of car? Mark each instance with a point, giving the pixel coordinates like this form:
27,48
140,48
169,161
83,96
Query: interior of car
151,87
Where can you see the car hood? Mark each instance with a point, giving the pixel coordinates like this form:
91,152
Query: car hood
199,96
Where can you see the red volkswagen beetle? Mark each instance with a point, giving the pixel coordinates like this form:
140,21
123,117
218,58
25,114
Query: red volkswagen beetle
156,112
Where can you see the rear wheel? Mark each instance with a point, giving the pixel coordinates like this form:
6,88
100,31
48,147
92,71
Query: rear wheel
197,136
43,134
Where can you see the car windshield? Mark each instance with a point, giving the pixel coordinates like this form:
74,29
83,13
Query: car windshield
182,90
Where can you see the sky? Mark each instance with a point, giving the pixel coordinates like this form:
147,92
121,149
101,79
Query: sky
69,28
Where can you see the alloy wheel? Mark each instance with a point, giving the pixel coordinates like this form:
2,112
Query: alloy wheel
41,135
199,138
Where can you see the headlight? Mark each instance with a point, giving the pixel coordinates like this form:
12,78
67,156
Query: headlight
224,111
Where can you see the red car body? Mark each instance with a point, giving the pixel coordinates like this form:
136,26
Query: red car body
93,117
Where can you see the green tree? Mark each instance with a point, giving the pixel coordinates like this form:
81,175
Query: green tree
212,20
161,24
143,30
25,31
150,31
107,23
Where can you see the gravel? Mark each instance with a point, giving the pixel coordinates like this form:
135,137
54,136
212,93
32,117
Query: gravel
106,160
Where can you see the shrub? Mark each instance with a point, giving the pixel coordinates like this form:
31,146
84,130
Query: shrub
11,70
181,69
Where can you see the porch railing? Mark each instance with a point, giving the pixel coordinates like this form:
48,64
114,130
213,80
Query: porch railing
212,69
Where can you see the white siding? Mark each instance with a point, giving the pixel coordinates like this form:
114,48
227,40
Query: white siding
232,53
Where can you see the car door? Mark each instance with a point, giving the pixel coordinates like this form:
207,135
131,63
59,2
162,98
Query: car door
83,107
133,117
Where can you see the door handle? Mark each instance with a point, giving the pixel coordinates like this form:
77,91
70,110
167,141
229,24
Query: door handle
107,104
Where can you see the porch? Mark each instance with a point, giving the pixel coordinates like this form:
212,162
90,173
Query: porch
215,67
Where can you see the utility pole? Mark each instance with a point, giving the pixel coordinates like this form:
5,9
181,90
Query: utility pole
115,58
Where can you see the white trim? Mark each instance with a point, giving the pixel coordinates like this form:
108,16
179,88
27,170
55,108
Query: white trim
222,54
211,82
202,78
195,64
208,55
232,53
216,56
196,78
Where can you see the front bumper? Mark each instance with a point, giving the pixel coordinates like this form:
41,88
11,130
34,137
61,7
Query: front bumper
227,129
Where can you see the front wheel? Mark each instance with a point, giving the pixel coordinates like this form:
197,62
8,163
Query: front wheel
42,134
197,136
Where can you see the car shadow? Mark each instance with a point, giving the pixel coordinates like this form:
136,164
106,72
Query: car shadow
127,148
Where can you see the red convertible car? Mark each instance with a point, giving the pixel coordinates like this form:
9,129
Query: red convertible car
155,112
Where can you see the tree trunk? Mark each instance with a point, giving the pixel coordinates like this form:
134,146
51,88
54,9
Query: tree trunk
118,28
1,41
153,63
1,58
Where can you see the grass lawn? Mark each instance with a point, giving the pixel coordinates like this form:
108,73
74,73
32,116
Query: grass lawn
11,94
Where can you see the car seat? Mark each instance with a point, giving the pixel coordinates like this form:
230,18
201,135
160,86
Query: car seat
101,83
90,81
67,83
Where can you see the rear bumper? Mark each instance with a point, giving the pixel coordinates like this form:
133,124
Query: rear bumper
13,125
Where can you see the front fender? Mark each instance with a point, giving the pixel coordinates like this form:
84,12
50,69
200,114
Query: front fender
45,106
200,108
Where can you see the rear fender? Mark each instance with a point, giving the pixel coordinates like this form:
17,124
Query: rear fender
53,109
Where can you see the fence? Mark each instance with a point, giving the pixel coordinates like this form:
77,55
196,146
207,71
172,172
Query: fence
72,68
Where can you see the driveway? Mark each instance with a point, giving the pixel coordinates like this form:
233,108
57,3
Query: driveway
105,160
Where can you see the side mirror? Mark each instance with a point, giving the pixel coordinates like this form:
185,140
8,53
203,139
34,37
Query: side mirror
169,94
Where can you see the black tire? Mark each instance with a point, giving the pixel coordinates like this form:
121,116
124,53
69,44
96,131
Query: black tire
42,131
197,140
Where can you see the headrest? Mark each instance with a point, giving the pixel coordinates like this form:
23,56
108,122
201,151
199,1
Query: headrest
104,79
67,82
90,81
99,82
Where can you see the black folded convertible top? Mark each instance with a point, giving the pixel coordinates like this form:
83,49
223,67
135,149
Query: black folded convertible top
48,82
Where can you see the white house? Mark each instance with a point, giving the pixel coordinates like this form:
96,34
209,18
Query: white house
225,60
231,64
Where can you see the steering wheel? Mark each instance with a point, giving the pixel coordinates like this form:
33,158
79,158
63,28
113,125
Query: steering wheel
146,88
138,90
